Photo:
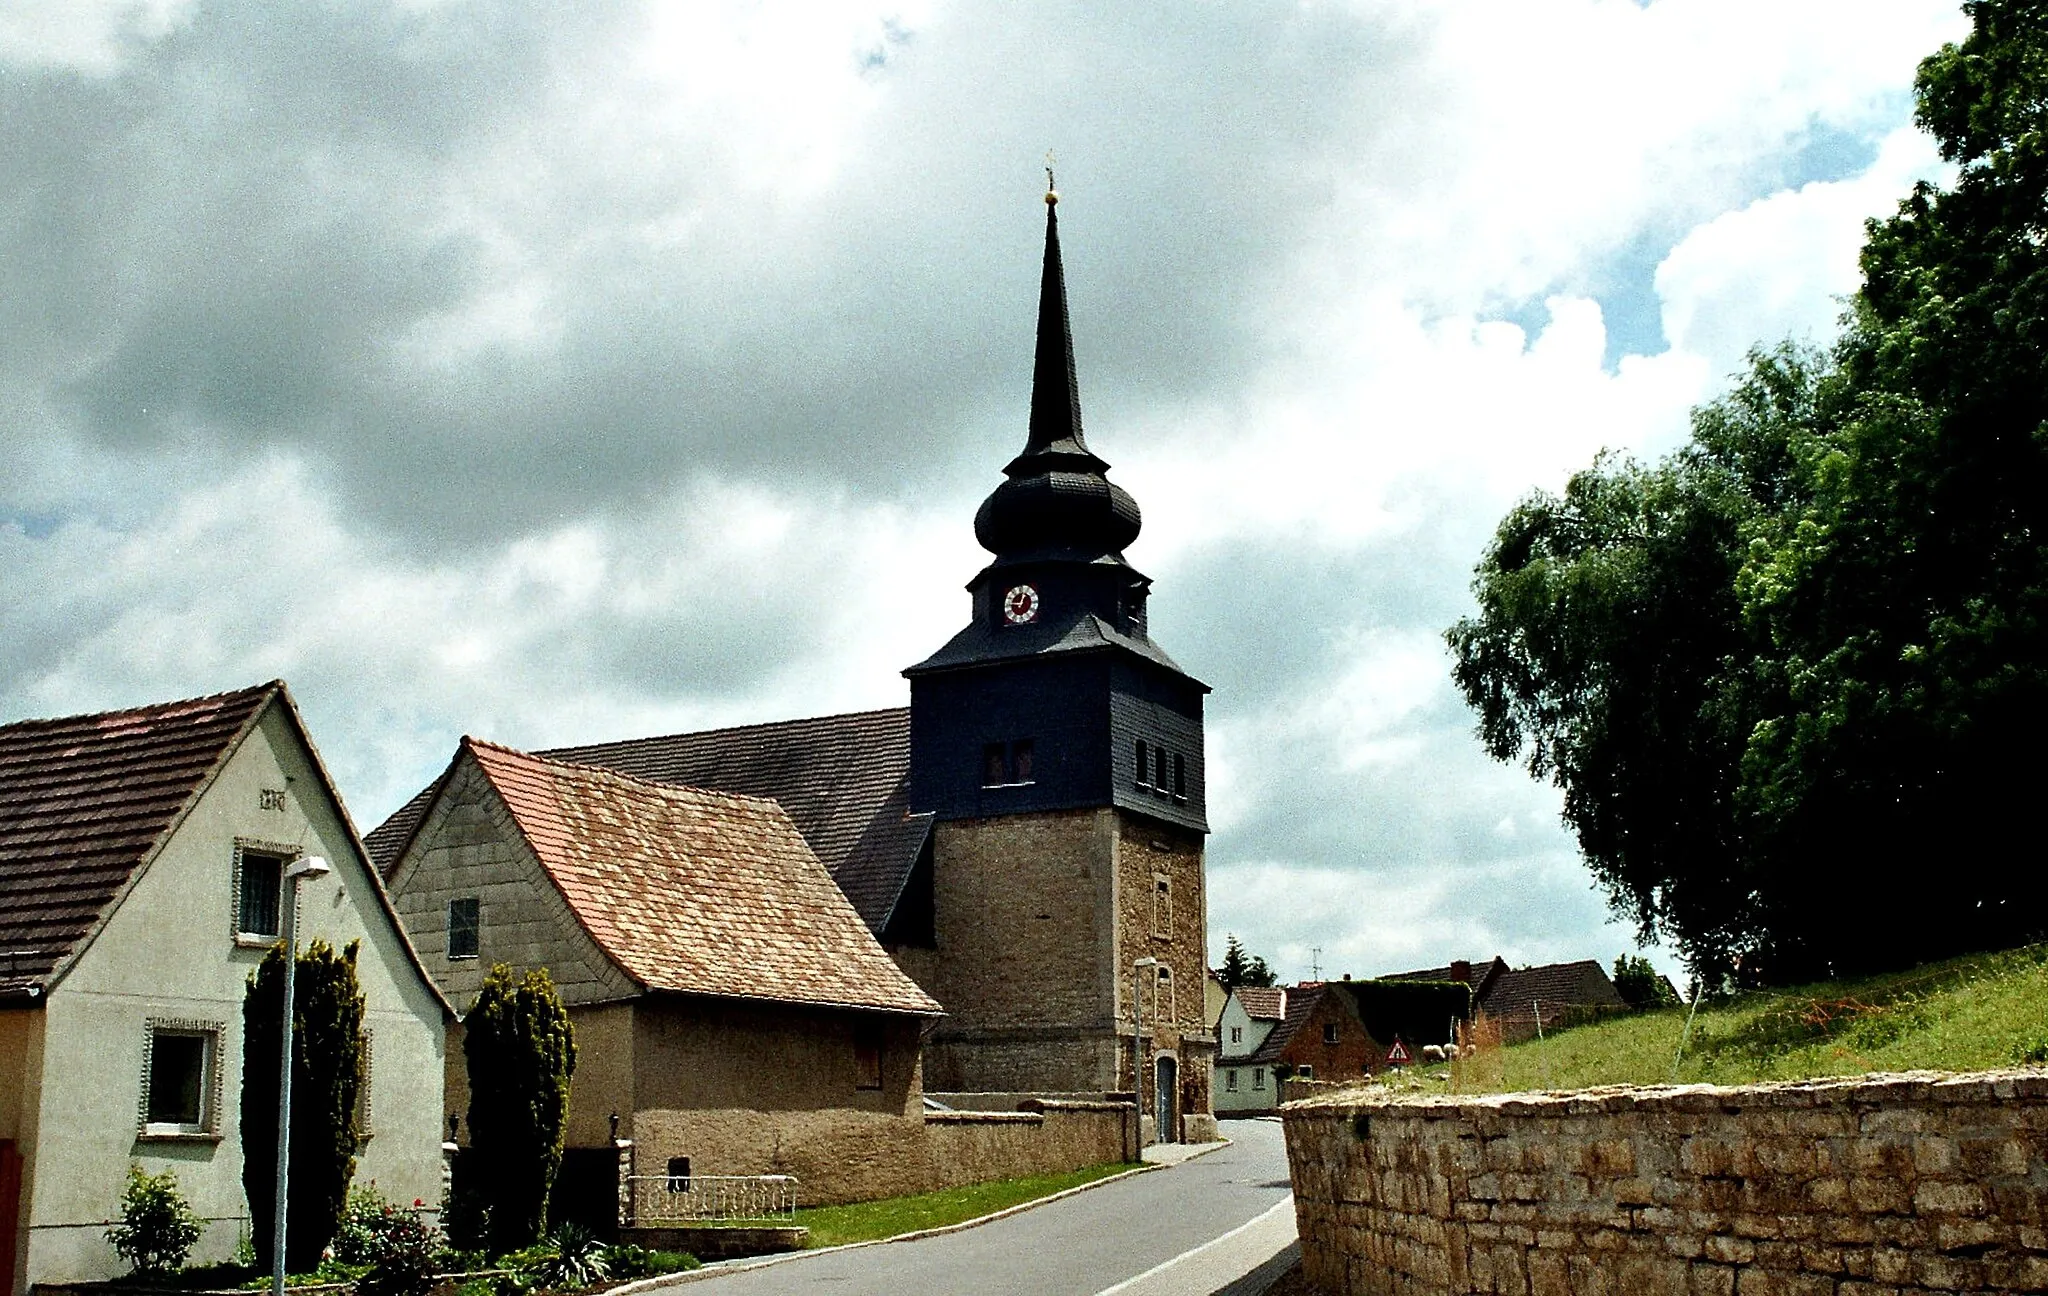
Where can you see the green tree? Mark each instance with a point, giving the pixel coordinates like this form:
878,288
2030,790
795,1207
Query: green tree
327,1074
521,1054
1242,969
1791,677
1640,984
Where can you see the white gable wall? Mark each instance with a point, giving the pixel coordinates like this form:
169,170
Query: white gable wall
169,952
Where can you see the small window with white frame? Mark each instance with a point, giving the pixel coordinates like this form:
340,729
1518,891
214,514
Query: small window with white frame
181,1070
1237,1035
1230,1079
1258,1077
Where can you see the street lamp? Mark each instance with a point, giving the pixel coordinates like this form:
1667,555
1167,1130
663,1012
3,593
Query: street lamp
1137,1034
306,866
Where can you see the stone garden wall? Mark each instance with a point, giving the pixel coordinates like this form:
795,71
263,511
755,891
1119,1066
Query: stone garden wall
1859,1187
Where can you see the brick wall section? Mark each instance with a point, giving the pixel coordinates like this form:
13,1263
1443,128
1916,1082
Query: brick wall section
1148,852
1863,1187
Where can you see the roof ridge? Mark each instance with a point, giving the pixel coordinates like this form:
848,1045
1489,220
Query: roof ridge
172,708
604,772
728,729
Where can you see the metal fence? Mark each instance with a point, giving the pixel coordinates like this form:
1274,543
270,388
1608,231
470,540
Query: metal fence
664,1199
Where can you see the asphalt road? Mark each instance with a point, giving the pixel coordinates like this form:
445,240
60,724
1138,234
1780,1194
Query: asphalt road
1117,1236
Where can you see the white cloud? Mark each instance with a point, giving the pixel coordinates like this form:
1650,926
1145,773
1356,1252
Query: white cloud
87,36
1782,266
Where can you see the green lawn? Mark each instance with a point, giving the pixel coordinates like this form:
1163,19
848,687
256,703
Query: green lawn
868,1221
1986,1010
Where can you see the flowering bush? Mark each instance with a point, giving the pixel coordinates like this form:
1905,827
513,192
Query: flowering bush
157,1229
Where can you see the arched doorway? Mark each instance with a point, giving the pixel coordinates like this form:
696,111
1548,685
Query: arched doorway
1166,1098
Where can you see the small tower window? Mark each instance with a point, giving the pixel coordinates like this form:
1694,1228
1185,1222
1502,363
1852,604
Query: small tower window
1180,778
1144,767
1159,783
1162,905
1006,764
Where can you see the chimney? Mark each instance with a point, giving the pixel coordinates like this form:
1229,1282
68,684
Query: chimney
1461,970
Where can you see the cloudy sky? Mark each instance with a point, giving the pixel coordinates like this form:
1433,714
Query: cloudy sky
557,373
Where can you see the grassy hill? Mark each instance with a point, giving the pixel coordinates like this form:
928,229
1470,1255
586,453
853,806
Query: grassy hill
1967,1014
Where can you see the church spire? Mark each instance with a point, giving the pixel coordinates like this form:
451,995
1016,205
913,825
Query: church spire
1058,501
1055,395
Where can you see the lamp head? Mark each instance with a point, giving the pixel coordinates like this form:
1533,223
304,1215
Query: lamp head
306,866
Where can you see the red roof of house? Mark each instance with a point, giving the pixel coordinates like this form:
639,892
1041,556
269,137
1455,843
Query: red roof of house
1263,1003
84,802
843,779
696,891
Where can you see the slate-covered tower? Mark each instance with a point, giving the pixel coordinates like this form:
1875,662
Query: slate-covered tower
1060,751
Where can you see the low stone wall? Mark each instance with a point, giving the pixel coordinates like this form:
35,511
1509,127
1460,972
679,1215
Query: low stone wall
1047,1137
1860,1187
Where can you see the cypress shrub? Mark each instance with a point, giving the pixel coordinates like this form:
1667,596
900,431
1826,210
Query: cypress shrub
521,1053
327,1076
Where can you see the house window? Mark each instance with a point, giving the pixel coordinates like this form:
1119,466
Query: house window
867,1057
1230,1080
1237,1035
1006,764
679,1174
1144,767
1329,1032
259,882
1162,905
464,923
180,1078
1180,778
1306,1072
1258,1077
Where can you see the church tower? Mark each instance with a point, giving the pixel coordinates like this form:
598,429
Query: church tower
1059,750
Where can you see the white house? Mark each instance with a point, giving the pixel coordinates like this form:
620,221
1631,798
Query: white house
1249,1016
140,862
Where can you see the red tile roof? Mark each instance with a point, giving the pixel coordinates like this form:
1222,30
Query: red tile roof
1263,1003
843,779
85,801
696,891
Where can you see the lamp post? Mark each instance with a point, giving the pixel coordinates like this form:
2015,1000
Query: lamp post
306,866
1138,1037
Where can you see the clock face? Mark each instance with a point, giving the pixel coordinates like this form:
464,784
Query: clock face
1020,605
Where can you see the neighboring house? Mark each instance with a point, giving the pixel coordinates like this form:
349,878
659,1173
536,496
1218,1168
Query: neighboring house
140,855
732,1011
1517,998
1249,1015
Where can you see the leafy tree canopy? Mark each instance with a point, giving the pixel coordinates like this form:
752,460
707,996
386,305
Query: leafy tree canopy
1791,678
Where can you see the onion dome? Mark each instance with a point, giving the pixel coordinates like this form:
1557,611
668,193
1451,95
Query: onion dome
1057,501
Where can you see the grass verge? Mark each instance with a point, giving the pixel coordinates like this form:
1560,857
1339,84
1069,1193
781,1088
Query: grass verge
871,1221
1965,1014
